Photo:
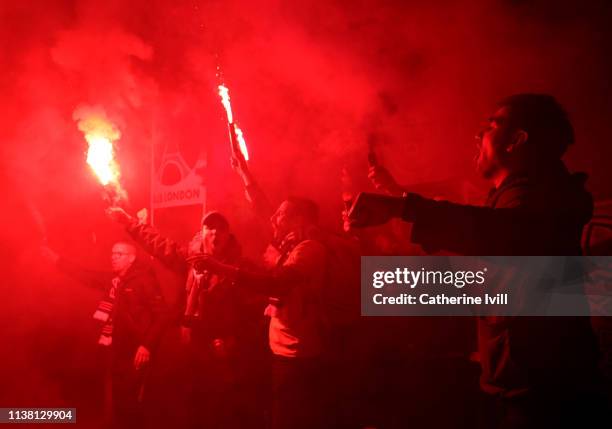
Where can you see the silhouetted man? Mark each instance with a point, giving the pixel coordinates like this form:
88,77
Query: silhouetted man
133,316
542,371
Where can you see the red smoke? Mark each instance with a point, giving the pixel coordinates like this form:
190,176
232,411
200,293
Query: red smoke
311,81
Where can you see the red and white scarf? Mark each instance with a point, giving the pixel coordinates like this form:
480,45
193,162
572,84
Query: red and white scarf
104,313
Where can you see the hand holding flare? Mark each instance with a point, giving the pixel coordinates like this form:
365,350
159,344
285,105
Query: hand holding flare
374,209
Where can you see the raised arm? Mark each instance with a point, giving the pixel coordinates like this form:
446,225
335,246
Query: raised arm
166,250
306,260
382,180
255,195
465,229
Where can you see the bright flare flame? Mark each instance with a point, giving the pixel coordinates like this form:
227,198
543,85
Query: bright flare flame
242,143
101,160
100,134
225,100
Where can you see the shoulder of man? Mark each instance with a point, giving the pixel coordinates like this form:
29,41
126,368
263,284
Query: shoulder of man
515,194
141,274
308,254
566,193
309,246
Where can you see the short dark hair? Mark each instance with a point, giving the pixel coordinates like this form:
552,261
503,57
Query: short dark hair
306,208
546,122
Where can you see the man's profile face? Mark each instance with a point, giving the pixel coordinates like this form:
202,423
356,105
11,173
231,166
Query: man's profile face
493,140
122,257
283,220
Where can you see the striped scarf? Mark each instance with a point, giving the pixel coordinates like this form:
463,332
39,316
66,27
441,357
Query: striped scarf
104,313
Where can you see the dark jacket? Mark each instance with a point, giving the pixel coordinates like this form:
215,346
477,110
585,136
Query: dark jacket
536,214
219,311
139,311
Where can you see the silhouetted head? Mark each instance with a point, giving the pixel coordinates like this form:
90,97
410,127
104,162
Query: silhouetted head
526,131
215,233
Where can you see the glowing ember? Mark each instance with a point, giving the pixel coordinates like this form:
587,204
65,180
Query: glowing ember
225,100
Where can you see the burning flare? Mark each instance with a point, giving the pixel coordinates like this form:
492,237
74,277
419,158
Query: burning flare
225,100
237,132
241,142
100,134
100,158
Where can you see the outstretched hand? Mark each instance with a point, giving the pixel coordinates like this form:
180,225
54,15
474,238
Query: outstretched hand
382,179
119,215
374,209
204,262
142,215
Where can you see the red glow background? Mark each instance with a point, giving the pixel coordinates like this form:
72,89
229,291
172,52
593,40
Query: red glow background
309,80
